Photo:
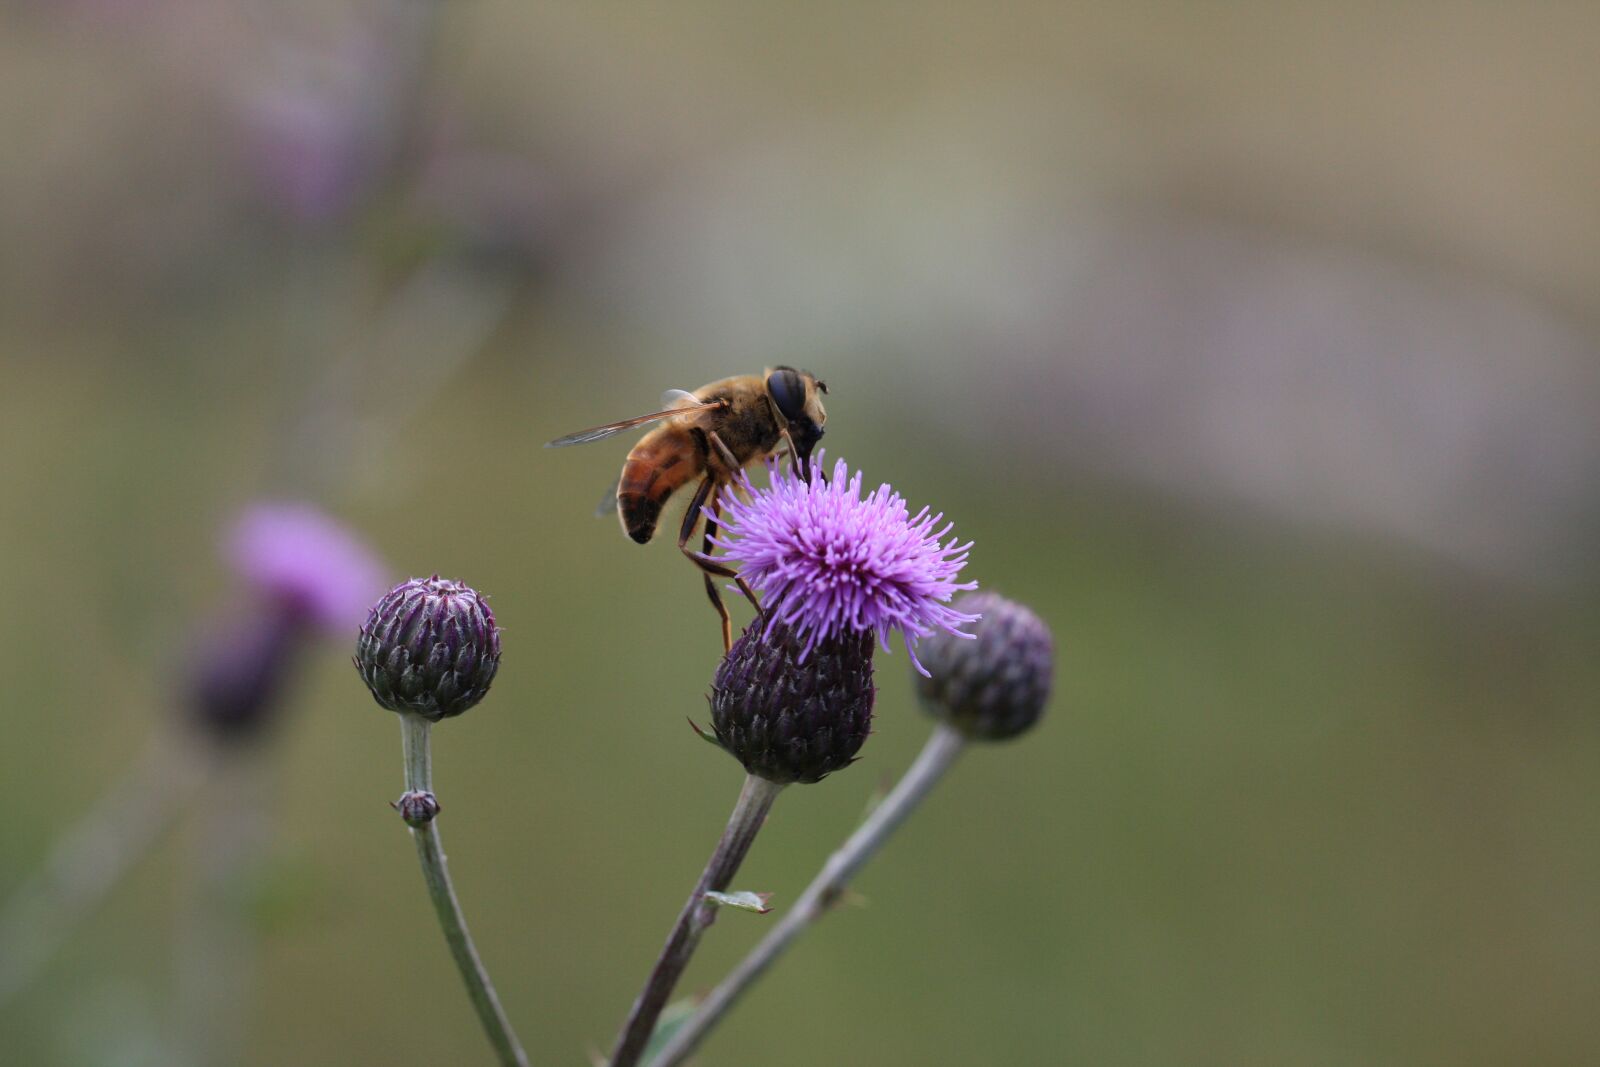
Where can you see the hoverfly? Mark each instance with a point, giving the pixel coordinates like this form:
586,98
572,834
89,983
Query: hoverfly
711,434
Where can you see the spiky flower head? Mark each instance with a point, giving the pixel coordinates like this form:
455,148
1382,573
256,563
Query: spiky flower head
306,563
430,646
831,562
996,687
789,717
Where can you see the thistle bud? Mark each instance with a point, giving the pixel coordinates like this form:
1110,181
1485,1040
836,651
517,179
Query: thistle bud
239,672
430,646
417,808
793,716
993,687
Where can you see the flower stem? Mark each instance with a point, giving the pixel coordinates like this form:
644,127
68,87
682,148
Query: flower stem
91,858
419,779
216,939
936,758
755,800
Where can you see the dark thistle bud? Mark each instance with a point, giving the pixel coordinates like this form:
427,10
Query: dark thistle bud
417,808
790,715
239,673
995,686
430,646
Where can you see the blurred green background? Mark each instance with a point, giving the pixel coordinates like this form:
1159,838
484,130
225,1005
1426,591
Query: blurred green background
1254,345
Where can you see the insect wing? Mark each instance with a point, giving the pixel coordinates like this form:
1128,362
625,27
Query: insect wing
600,433
674,399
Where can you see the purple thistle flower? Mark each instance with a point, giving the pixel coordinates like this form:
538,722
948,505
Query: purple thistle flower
313,127
832,561
298,557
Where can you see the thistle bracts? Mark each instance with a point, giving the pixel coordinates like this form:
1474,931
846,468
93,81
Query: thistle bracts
789,716
417,807
995,687
430,646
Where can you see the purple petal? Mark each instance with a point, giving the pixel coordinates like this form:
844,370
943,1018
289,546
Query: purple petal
296,554
829,559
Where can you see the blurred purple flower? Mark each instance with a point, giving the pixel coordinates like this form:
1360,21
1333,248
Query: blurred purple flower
304,157
320,121
297,556
832,561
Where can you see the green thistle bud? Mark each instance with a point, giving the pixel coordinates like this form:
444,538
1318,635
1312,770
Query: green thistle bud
430,646
793,717
995,686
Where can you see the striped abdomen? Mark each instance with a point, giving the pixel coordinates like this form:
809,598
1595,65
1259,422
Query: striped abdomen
663,460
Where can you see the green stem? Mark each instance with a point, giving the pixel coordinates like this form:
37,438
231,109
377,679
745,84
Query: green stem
419,779
936,757
216,943
91,858
755,800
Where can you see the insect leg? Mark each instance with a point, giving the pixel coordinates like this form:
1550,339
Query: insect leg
797,461
608,503
712,567
725,452
711,530
707,491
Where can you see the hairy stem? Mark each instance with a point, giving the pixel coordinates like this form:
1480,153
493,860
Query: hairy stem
936,757
755,800
414,731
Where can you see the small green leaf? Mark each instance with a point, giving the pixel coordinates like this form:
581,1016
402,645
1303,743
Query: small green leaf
710,736
756,902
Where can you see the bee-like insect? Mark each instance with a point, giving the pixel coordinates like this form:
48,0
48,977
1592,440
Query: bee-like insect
711,434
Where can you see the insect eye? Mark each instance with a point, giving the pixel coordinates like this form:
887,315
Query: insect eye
788,392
